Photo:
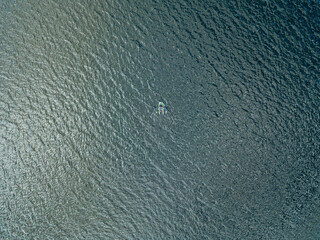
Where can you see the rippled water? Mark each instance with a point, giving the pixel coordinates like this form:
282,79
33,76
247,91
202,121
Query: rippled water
84,154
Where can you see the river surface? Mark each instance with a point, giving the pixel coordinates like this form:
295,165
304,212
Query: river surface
84,154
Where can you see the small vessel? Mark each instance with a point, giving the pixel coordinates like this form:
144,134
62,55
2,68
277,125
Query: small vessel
161,108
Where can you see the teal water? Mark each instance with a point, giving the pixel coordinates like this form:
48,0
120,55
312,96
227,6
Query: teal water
84,154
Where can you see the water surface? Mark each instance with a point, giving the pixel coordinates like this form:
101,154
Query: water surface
84,154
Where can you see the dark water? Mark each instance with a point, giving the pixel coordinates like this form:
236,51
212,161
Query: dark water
85,156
